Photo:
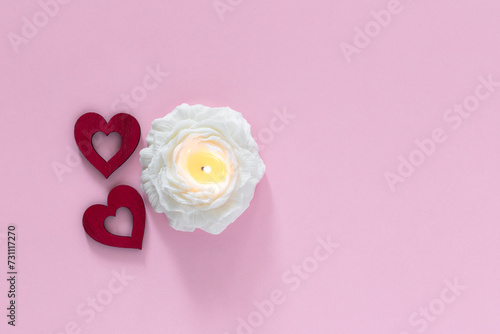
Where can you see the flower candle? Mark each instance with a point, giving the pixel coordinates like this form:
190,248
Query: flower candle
201,167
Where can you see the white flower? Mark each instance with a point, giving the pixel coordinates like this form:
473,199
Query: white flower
201,167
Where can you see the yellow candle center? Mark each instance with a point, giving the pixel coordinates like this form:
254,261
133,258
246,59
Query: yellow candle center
205,167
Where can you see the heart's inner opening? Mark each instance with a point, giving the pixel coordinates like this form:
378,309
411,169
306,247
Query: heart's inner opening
106,146
121,223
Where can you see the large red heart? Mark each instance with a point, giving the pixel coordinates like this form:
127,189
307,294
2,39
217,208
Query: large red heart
91,123
120,196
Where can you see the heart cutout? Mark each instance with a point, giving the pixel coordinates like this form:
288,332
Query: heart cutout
91,123
95,216
106,145
121,223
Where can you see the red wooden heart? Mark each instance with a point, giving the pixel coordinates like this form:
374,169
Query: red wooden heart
91,123
120,196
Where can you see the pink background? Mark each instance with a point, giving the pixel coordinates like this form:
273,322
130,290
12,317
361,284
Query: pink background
325,168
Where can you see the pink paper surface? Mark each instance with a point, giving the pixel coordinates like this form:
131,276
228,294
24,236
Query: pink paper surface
369,87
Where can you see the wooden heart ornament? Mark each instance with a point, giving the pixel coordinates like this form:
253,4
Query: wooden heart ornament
120,196
91,123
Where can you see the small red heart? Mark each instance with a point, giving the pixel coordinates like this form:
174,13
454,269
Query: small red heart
91,123
120,196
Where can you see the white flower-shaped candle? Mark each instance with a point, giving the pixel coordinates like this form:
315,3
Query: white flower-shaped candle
201,167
